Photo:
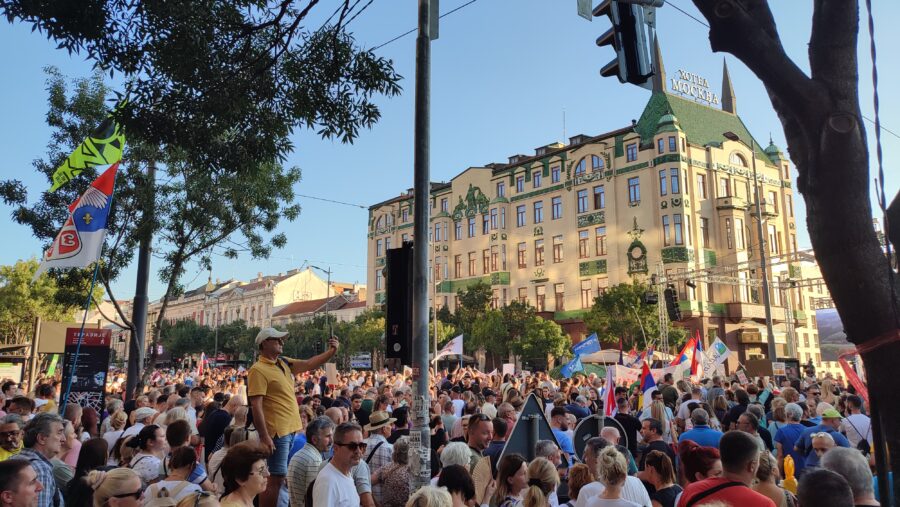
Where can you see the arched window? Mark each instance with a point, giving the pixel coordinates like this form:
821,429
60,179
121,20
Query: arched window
380,222
579,169
737,159
596,163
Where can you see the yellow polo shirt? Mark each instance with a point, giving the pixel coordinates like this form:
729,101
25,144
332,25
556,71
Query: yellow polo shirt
274,382
4,454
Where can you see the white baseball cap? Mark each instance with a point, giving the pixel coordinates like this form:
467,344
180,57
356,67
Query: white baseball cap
269,332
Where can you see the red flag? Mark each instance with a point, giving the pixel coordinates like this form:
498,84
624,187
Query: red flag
853,378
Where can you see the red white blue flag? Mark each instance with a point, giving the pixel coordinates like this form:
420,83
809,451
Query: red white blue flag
80,240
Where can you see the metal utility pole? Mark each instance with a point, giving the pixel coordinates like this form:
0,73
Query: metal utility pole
327,296
420,439
770,334
139,309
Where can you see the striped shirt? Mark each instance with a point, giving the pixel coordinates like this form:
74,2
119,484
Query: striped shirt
50,496
377,458
302,470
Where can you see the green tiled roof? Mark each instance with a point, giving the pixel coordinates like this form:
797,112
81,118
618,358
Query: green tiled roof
701,124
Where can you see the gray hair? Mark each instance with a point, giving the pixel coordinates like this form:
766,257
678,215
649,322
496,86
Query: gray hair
793,412
700,416
316,425
756,410
182,402
400,455
545,449
114,405
853,466
41,424
13,418
581,399
455,453
596,444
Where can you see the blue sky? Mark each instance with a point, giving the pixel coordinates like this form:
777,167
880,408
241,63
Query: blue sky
503,72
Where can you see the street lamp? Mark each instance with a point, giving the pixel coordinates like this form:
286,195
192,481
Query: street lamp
770,334
210,287
327,296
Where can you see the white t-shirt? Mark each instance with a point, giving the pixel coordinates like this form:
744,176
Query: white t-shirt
604,502
335,489
458,406
633,491
147,466
857,427
132,430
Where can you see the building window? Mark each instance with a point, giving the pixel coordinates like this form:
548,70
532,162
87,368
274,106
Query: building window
520,184
538,212
503,264
631,152
673,143
556,207
437,269
773,200
387,244
522,255
584,238
485,224
596,163
773,240
494,219
737,159
471,227
471,263
599,197
378,248
379,280
554,174
676,184
495,258
662,182
444,205
586,299
600,240
729,233
582,200
540,293
667,231
458,227
739,233
676,223
724,188
701,187
789,205
557,249
404,215
538,252
523,295
457,266
520,216
437,232
501,189
503,218
660,145
634,190
579,169
404,238
536,179
495,299
704,232
560,293
485,261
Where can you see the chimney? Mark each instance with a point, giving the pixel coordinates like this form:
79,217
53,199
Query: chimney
259,275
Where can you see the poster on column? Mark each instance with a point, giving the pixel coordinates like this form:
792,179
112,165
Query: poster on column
88,374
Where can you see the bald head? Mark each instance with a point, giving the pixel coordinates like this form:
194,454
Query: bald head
610,434
335,415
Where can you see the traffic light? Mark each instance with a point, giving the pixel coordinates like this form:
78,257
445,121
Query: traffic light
629,37
672,307
398,314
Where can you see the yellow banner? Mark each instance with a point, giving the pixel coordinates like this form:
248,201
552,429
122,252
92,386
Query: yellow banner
103,147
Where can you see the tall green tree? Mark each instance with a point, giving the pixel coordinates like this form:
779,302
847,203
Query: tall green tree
491,332
474,303
542,340
621,313
186,337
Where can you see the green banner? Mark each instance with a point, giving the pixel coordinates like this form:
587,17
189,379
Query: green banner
52,368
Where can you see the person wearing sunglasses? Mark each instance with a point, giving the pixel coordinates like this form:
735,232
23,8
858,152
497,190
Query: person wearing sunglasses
120,487
334,485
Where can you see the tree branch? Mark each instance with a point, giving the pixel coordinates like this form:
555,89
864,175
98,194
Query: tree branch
100,311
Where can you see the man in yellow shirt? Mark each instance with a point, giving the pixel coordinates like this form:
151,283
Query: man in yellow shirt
276,415
10,435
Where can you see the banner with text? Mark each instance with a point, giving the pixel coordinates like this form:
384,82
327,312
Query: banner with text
89,374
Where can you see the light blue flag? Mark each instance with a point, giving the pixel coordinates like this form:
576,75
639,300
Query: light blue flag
587,346
571,367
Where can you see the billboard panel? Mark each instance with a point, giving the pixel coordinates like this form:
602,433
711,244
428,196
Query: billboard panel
832,339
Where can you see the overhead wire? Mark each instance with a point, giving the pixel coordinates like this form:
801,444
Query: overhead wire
404,34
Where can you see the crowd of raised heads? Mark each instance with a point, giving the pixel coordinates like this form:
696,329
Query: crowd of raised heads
283,433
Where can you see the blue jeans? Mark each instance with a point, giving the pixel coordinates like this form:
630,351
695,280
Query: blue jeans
278,461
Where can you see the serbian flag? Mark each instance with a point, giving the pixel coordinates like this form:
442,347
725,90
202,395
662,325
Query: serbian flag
80,240
648,385
687,352
610,409
697,358
202,365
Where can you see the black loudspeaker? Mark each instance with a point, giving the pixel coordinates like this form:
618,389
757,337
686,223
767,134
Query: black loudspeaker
398,314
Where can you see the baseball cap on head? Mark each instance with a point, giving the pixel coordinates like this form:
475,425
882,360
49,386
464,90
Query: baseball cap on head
269,332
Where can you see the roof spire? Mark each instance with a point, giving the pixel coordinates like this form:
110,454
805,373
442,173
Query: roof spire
729,101
659,74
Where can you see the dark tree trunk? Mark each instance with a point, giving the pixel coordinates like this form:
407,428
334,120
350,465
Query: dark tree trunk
827,143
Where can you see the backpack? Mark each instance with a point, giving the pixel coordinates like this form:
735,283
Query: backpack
863,445
161,497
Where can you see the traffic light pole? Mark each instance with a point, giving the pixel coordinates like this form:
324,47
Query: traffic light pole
420,438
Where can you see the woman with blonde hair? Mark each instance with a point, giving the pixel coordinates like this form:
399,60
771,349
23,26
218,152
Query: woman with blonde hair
542,482
120,487
827,389
430,496
612,470
659,411
779,418
767,475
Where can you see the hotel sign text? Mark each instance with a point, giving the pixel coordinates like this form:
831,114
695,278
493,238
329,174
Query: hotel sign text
692,85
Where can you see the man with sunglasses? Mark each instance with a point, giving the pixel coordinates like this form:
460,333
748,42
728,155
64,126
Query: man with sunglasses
270,389
334,485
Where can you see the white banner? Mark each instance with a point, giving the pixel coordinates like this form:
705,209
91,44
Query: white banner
509,368
454,346
716,355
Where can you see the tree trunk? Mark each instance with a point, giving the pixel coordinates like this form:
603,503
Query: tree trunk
827,143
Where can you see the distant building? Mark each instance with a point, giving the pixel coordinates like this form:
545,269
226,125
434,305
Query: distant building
343,308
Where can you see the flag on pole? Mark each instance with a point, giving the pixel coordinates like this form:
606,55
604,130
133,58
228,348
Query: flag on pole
571,367
587,346
453,347
610,409
697,358
648,385
621,346
103,147
79,242
202,365
686,353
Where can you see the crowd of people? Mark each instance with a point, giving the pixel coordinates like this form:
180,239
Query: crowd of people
279,434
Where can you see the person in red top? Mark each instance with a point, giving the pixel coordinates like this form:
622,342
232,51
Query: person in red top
740,459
